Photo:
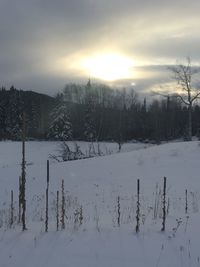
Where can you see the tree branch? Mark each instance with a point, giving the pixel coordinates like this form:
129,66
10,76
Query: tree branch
196,97
182,99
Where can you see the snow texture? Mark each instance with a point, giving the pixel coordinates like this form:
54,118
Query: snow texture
95,185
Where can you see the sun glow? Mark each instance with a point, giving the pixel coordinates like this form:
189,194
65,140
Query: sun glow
108,67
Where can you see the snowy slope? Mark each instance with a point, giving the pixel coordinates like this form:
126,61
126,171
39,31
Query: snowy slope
95,184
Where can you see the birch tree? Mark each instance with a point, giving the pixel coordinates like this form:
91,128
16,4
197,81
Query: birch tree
187,91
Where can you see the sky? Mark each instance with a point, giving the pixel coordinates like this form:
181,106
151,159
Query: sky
45,44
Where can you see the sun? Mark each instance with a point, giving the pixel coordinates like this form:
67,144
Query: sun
108,67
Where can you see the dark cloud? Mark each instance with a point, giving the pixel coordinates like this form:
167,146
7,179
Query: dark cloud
35,35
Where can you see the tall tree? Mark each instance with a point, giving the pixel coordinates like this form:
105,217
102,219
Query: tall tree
23,177
184,76
89,126
60,127
14,110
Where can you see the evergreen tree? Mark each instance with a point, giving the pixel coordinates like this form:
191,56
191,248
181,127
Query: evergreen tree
3,115
13,115
60,127
33,119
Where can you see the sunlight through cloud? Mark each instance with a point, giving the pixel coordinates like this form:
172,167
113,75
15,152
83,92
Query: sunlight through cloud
108,67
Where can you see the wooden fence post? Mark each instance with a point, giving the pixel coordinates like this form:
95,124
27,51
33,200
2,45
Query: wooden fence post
47,199
138,207
164,205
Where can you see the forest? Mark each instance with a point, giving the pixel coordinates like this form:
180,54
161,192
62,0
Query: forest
94,112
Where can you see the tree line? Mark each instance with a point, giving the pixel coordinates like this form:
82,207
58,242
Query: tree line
94,112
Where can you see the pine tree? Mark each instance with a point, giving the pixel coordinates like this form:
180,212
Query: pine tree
2,120
61,127
33,119
13,115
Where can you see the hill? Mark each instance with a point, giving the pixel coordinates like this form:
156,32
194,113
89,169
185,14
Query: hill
13,103
98,186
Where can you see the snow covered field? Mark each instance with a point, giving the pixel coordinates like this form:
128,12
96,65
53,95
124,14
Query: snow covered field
95,185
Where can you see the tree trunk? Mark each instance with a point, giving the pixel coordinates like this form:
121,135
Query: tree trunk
190,122
23,193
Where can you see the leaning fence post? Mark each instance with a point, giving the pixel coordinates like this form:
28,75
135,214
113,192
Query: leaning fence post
23,176
20,199
138,207
164,205
11,209
118,211
186,201
57,211
63,206
47,199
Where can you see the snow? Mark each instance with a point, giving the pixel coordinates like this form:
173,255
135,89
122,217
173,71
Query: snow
95,184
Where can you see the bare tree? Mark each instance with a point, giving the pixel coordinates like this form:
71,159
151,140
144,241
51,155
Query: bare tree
23,176
187,91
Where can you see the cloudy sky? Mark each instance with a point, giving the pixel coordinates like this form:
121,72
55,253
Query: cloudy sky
45,44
